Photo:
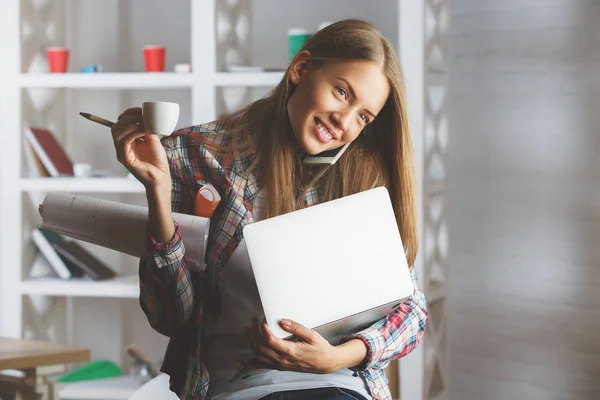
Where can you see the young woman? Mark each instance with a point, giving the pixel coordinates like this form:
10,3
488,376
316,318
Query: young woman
345,86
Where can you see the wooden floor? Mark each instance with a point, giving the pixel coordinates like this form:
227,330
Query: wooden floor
524,200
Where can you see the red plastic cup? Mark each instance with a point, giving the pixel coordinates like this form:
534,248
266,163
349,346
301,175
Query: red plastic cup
58,59
154,58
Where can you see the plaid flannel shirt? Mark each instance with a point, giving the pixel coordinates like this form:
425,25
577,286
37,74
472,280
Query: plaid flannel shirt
174,297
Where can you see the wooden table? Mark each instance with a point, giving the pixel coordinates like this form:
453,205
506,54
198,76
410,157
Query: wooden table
27,355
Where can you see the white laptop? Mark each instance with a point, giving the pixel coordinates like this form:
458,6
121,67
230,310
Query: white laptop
336,267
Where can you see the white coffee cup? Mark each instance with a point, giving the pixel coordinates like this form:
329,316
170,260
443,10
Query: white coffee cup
160,117
82,170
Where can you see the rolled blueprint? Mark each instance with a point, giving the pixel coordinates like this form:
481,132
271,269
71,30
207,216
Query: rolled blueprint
118,226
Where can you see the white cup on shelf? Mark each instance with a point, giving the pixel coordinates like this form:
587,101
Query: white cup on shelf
160,117
82,170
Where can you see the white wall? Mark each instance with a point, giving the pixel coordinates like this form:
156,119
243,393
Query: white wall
524,199
272,18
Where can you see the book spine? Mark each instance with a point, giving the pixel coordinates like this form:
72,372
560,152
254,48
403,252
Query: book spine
76,261
41,154
51,255
30,167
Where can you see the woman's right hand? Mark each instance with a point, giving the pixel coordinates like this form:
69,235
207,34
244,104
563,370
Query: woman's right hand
140,151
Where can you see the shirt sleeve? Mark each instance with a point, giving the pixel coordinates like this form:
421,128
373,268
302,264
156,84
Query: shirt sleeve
168,289
395,335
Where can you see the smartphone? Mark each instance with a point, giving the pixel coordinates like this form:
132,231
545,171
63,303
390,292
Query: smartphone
328,157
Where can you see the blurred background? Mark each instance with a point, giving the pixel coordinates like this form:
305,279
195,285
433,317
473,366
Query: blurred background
504,99
524,199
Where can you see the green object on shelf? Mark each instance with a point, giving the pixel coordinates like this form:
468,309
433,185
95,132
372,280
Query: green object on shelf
94,370
296,39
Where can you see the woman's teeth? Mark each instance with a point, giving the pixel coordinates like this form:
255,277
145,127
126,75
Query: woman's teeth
323,131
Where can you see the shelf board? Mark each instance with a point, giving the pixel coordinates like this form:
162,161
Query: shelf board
141,80
244,79
90,185
121,287
123,80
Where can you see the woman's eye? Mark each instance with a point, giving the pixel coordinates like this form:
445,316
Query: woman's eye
364,118
341,91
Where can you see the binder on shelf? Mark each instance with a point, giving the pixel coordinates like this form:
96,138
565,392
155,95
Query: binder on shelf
41,268
85,261
49,150
48,259
44,240
34,166
76,272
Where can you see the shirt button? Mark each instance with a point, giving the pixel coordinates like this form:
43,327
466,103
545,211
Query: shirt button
375,391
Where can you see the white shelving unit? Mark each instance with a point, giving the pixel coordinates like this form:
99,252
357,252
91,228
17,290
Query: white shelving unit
256,79
145,80
203,85
96,185
123,287
107,80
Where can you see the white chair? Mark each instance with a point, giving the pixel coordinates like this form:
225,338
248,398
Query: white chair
155,389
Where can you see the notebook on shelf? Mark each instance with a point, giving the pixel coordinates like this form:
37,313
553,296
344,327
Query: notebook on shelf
50,152
45,239
34,166
85,261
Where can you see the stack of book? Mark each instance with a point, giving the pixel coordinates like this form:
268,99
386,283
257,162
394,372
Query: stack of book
67,257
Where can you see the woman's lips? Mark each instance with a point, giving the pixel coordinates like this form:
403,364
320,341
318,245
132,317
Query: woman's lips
322,133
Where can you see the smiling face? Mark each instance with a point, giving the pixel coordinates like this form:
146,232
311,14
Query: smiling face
332,104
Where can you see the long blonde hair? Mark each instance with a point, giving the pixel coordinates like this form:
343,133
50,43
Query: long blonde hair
380,156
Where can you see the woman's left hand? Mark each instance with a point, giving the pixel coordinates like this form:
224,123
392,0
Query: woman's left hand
310,352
